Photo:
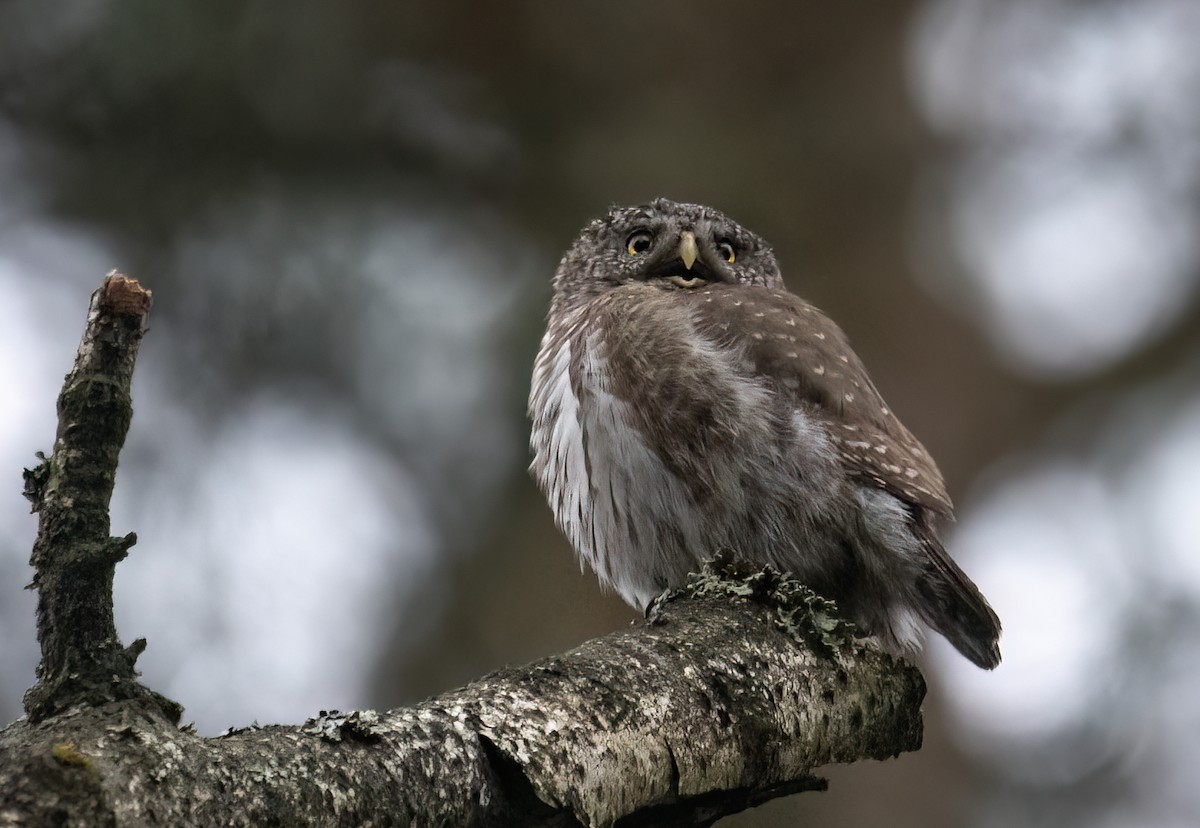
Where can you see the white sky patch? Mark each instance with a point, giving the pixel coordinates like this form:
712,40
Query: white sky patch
1043,548
1076,266
1048,68
1091,564
1065,224
46,277
269,553
1165,483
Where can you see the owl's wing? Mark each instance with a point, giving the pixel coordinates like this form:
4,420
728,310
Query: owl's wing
799,351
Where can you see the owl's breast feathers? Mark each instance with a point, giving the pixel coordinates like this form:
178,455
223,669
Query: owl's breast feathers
694,400
788,348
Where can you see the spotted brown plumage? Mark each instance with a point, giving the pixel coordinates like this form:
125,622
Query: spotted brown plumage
685,402
806,358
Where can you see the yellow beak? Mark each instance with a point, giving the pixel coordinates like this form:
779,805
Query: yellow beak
687,249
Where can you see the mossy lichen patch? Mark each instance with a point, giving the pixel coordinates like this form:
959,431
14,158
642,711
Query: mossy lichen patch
334,726
798,610
67,754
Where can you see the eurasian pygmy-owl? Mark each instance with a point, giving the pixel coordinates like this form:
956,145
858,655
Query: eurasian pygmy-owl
685,402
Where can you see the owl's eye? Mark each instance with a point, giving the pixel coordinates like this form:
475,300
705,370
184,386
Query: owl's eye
726,251
638,242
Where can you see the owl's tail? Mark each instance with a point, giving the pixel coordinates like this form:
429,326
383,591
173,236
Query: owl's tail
951,604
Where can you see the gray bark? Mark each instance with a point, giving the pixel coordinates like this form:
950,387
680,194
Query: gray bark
732,692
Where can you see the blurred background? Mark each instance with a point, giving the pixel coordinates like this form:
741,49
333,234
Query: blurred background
349,215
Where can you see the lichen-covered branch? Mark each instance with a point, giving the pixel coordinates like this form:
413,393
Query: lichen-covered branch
733,691
83,661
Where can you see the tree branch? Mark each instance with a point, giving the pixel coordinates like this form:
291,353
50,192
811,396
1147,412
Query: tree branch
732,692
73,557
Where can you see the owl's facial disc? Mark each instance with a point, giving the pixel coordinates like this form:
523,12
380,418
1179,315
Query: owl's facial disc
664,245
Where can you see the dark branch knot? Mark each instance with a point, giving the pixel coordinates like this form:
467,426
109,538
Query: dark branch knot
35,482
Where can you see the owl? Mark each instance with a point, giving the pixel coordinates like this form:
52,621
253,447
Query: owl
685,402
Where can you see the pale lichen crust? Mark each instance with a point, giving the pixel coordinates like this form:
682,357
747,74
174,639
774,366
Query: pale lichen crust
797,610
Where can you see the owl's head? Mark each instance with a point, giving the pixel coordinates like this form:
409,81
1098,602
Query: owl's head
665,244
